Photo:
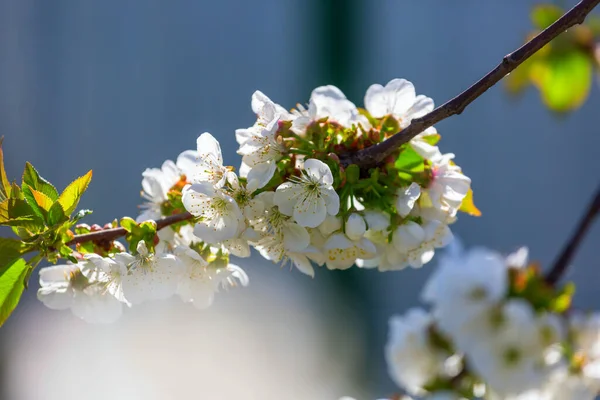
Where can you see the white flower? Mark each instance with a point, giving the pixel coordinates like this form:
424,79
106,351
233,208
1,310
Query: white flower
209,167
355,226
331,103
220,216
65,286
156,183
408,236
585,330
201,280
310,197
397,98
463,288
446,191
107,271
510,359
149,276
261,150
187,162
406,198
416,243
412,360
283,240
342,253
266,112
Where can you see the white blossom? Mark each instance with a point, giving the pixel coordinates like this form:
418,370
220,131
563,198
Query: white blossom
397,98
446,191
149,276
412,360
463,287
310,197
201,279
331,103
65,286
342,253
510,359
209,167
156,183
220,216
260,150
406,198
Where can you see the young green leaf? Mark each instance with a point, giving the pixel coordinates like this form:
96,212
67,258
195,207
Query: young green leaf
544,15
32,202
70,197
11,287
32,178
10,251
565,79
409,160
56,215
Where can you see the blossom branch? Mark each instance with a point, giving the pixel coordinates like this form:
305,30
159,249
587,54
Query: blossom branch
112,234
374,155
563,261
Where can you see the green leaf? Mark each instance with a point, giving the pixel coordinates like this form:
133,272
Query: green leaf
11,287
409,160
145,231
56,214
564,79
32,178
544,15
31,200
70,197
128,224
10,251
5,184
17,212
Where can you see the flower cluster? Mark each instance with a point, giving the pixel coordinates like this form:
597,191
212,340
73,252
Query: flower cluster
296,203
495,330
96,288
292,200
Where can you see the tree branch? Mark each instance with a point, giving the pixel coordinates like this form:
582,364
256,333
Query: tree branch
374,155
112,234
371,156
562,262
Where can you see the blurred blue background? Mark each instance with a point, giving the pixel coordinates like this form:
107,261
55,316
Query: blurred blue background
119,86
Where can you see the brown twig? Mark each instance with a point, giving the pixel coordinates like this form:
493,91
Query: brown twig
371,156
112,234
562,262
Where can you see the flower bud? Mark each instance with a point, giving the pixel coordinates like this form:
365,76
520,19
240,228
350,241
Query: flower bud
408,236
355,226
330,225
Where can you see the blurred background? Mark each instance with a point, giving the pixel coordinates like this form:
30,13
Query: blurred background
119,86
